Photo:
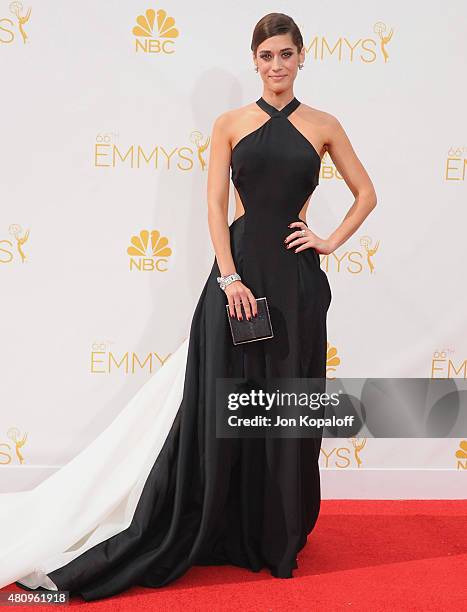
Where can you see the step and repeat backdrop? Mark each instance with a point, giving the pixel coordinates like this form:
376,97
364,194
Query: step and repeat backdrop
106,112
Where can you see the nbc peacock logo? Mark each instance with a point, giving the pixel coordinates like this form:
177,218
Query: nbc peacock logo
154,32
332,360
149,251
461,455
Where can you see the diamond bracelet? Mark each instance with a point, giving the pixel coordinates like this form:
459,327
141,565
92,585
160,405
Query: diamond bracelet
226,280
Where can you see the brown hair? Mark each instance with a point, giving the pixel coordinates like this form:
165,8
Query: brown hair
273,24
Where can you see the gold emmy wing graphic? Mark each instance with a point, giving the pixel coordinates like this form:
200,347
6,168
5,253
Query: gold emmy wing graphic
16,8
380,29
365,242
15,230
14,435
358,444
195,138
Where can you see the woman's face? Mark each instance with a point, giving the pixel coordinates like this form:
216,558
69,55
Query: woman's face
277,60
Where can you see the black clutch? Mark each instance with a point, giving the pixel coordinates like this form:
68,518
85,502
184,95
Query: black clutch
259,328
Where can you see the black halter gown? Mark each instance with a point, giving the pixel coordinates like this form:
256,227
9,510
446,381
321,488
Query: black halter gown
246,502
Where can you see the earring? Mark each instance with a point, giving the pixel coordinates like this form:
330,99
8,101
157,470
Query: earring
300,66
256,68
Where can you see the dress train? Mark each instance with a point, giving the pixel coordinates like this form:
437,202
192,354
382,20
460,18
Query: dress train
33,530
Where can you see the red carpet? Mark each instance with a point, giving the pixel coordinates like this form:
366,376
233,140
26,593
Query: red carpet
362,555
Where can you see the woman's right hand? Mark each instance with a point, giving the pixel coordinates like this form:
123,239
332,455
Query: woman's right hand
237,293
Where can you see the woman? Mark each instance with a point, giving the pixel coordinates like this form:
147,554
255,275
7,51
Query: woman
183,496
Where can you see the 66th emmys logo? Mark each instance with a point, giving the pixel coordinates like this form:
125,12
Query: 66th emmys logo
340,457
366,49
109,360
109,153
10,452
8,25
152,36
456,164
353,261
445,365
149,251
13,250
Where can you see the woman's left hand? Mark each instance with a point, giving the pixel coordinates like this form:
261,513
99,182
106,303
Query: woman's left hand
308,240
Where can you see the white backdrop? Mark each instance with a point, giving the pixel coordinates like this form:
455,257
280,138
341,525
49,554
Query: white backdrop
102,137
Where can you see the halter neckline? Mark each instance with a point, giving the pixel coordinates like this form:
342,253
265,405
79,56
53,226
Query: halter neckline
276,112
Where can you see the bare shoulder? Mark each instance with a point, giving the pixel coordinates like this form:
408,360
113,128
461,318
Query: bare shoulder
319,117
235,115
243,111
234,123
325,123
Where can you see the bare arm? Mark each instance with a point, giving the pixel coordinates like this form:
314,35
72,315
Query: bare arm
218,205
354,174
351,169
218,194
